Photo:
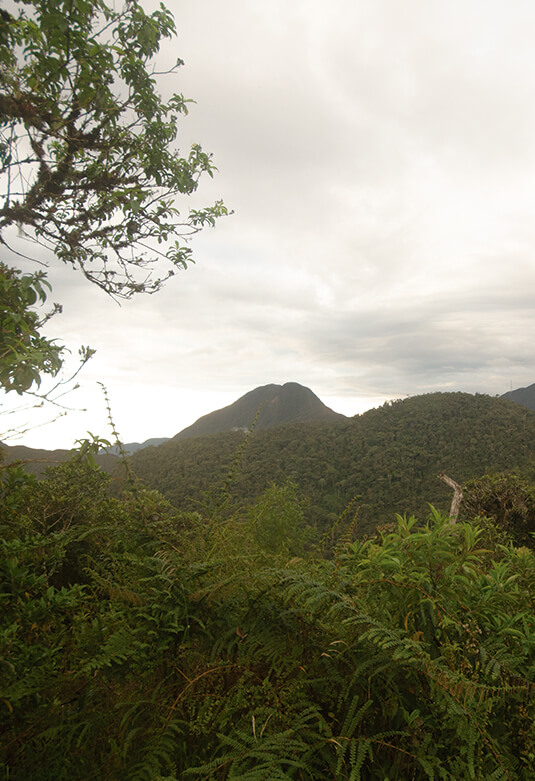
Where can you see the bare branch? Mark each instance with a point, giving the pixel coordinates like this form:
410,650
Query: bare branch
457,496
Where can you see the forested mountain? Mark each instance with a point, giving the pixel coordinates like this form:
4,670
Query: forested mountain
266,406
389,457
524,396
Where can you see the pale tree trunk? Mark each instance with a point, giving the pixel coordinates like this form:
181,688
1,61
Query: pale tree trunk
457,496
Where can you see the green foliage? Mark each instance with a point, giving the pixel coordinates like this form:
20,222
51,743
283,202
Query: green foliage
277,517
507,498
88,162
24,354
13,480
140,642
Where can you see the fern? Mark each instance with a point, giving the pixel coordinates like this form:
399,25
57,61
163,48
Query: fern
158,754
356,749
260,758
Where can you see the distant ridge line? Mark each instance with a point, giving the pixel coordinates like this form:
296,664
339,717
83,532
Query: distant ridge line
272,405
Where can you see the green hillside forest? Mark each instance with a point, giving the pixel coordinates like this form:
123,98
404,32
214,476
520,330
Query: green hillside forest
384,462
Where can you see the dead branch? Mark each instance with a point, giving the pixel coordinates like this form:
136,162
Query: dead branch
457,496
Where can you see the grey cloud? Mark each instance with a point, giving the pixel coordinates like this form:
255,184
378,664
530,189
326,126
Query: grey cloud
379,157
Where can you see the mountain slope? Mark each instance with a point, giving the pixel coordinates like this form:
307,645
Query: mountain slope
524,396
388,457
273,404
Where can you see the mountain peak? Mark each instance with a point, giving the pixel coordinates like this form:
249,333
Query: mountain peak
272,405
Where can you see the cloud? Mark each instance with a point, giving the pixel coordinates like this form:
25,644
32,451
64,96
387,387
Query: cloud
379,160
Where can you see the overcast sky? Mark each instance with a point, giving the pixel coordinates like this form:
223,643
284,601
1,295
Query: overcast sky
380,161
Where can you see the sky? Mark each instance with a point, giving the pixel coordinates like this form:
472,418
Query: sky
379,159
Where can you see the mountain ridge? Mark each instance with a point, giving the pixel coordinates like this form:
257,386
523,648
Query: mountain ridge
383,462
237,416
266,406
208,424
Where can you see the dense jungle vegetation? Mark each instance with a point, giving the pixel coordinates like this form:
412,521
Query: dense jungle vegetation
142,642
244,640
387,459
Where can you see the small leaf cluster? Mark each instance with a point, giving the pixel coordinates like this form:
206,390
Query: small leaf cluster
509,498
24,353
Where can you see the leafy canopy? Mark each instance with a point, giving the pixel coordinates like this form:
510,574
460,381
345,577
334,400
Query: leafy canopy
88,163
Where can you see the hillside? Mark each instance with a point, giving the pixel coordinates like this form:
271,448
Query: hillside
389,457
269,405
524,396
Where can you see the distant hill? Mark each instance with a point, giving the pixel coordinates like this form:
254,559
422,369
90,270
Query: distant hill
524,396
133,447
37,460
278,404
274,404
389,457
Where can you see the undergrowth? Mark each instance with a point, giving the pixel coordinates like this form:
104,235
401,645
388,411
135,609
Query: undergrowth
139,642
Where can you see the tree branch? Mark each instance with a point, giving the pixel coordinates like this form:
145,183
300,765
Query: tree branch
457,496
